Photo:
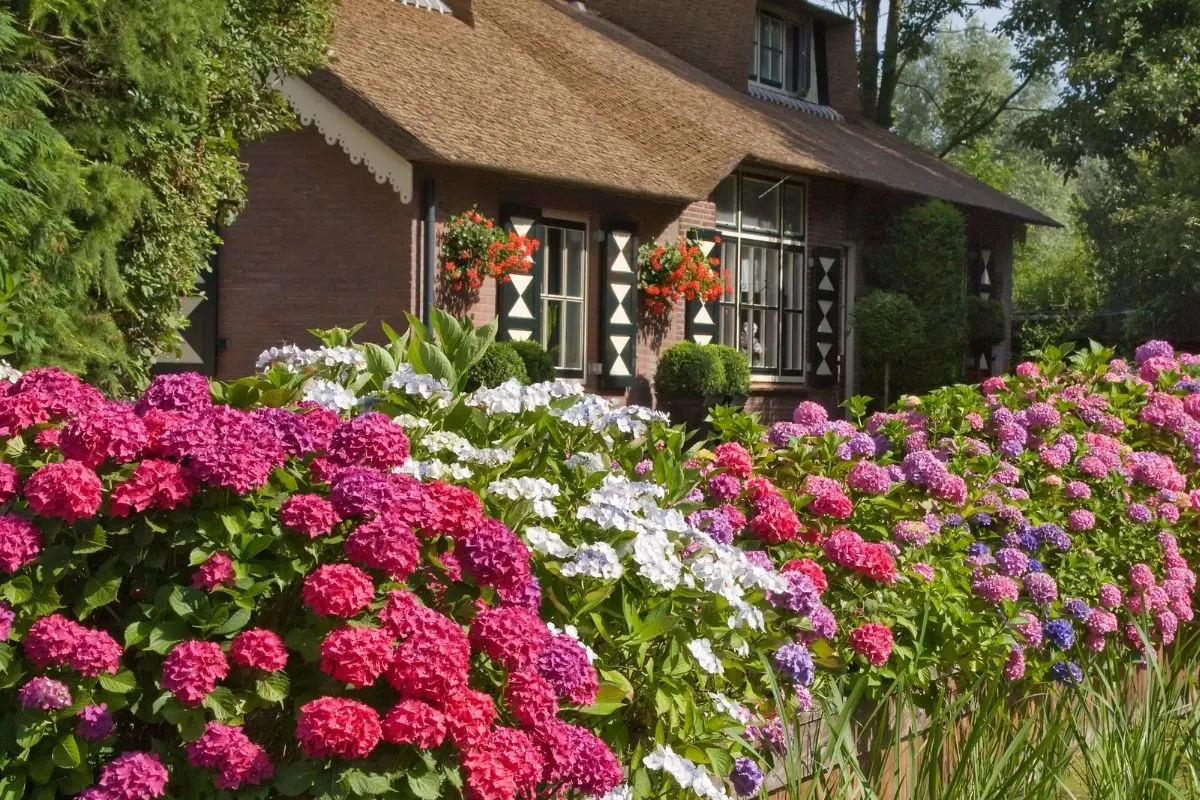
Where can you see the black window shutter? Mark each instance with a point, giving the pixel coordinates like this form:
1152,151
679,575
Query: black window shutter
618,326
519,299
825,324
822,68
702,321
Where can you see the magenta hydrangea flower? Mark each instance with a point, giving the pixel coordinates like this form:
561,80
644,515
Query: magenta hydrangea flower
66,490
564,663
44,694
132,776
20,542
1041,588
95,722
187,391
191,670
371,440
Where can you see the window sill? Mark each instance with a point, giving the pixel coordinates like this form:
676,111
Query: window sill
769,383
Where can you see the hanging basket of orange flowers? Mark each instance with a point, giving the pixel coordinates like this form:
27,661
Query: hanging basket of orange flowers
668,273
475,248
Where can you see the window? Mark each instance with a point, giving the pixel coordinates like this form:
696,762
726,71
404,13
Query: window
762,222
782,57
564,282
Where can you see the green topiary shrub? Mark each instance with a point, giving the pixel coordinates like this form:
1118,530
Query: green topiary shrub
688,368
500,363
924,258
891,333
985,321
538,363
737,370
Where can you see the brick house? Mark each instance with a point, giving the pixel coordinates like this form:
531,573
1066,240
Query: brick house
593,128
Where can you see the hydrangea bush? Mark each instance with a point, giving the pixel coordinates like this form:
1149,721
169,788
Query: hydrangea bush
345,577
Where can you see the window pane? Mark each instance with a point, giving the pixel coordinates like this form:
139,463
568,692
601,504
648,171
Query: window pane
793,280
793,342
759,274
793,210
575,261
725,196
554,261
760,205
729,332
759,337
572,336
770,49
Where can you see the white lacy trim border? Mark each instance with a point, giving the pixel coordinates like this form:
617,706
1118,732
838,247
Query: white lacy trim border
363,147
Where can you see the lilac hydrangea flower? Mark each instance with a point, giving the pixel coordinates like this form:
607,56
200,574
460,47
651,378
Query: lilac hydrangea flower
794,662
1060,633
746,777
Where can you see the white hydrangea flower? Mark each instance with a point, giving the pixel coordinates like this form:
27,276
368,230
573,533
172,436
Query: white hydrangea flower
8,372
715,576
701,650
434,470
588,462
729,708
539,490
684,772
328,394
656,559
293,359
407,421
597,560
548,543
746,616
511,397
406,379
622,792
742,649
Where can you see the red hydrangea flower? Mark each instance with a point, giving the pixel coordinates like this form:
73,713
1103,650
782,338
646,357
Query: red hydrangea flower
453,510
337,727
309,514
469,716
504,766
416,723
386,544
877,563
187,391
734,458
131,776
873,642
531,699
806,566
495,556
845,548
96,653
357,656
21,411
371,440
154,484
828,498
338,590
66,490
433,661
236,758
52,640
775,521
10,482
217,570
20,542
259,648
403,613
191,670
109,433
564,663
512,635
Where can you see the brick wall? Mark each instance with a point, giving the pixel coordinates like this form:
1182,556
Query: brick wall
842,67
320,244
714,35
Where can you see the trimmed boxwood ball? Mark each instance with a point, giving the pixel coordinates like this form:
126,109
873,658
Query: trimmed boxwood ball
985,320
737,369
500,363
689,368
538,363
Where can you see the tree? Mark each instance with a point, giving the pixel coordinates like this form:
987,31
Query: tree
133,111
892,36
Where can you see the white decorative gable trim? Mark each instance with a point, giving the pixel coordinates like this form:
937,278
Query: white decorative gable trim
363,147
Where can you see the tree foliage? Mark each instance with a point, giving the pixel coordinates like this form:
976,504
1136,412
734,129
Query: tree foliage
121,125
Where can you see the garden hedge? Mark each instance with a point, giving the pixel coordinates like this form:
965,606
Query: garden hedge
339,578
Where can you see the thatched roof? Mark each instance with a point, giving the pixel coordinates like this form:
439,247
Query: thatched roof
537,89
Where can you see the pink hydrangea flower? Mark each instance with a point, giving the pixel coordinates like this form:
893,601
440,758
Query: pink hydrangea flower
132,776
357,656
512,636
416,723
191,670
65,490
873,642
20,542
309,514
337,727
217,570
258,648
338,590
154,484
229,751
371,440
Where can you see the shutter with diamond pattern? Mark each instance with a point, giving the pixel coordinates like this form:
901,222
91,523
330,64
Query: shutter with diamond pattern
519,299
824,332
618,326
702,321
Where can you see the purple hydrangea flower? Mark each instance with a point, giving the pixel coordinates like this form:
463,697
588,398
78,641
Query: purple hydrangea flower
1139,513
824,624
1035,566
45,694
747,778
1012,562
781,434
7,615
801,597
1067,672
794,663
95,723
1077,609
1060,633
1041,588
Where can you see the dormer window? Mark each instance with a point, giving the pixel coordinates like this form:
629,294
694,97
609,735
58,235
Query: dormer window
782,54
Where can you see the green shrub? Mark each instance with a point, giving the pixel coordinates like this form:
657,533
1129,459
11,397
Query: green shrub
890,332
737,369
689,368
985,321
924,258
538,363
500,363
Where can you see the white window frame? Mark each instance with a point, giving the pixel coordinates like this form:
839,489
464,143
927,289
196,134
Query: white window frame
566,222
783,243
790,54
